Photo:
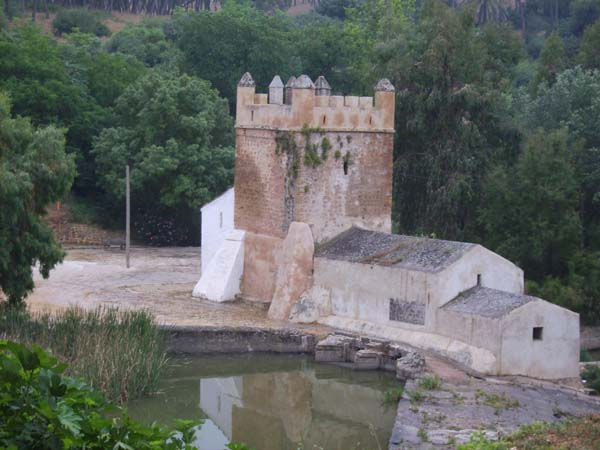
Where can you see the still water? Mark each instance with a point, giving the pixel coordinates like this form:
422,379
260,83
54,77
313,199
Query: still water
273,402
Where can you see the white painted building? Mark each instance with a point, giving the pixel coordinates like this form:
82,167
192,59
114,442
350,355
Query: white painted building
457,299
217,222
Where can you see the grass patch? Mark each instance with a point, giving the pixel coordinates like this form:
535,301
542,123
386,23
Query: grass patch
416,397
581,434
430,383
121,353
498,402
392,395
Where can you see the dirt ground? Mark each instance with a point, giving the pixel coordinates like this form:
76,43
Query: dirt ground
160,280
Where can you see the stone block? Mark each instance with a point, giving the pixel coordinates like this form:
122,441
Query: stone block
410,366
367,360
365,102
294,275
335,348
322,101
304,311
261,99
335,354
351,101
336,101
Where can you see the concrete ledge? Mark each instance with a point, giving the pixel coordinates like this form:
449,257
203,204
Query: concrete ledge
199,340
477,359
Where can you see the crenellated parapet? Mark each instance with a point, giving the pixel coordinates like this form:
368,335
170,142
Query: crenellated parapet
301,102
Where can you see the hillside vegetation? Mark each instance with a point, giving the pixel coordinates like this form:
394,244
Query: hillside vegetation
497,137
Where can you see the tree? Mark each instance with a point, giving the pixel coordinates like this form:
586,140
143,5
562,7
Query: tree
335,8
573,102
450,125
34,171
552,60
176,134
583,14
589,49
529,212
490,11
324,47
147,42
221,46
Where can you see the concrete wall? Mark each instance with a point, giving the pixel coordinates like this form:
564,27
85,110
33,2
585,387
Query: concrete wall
363,292
555,356
472,329
260,266
217,222
496,273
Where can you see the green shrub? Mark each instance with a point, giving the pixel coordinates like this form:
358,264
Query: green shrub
121,353
42,408
86,21
430,383
393,395
591,375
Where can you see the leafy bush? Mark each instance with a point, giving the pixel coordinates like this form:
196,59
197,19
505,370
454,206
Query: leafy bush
42,408
86,21
591,375
121,353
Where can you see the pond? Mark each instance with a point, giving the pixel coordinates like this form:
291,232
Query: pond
274,402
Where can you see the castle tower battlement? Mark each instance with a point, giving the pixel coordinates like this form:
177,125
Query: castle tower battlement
304,155
302,103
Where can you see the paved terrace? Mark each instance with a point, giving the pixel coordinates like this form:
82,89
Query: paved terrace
160,280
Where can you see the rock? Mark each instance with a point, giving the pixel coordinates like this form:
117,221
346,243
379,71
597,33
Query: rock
335,348
367,360
409,366
294,275
314,303
304,311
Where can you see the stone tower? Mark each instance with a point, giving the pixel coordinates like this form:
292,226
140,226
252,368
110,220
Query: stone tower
305,155
313,157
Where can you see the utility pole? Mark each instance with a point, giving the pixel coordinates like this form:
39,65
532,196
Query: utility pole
127,216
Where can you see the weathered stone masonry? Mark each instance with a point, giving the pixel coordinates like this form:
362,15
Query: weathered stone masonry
351,184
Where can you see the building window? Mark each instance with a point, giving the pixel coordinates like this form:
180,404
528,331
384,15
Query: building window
478,279
537,333
345,167
220,219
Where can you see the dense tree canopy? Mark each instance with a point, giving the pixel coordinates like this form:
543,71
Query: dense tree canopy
176,133
34,171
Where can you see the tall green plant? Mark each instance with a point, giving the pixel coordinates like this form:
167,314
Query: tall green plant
121,353
44,409
34,171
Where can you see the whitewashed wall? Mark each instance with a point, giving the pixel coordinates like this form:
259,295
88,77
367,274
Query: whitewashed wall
555,355
217,222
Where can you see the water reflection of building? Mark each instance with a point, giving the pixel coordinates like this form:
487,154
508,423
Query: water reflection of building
279,409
